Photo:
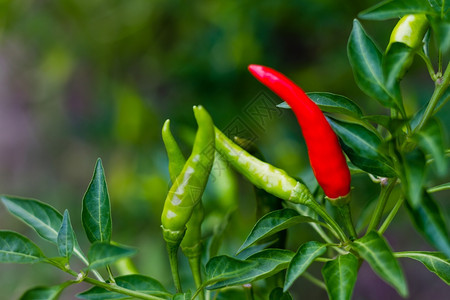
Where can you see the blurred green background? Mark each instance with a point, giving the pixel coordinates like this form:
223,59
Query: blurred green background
81,79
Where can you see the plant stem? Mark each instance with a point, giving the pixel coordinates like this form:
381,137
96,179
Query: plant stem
249,291
115,288
346,215
111,286
438,188
429,65
328,219
195,264
110,274
323,259
173,260
314,280
441,87
391,215
86,262
382,200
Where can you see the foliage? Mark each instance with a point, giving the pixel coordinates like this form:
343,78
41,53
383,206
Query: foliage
394,150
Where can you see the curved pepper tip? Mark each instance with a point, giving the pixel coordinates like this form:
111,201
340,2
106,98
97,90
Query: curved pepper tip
256,69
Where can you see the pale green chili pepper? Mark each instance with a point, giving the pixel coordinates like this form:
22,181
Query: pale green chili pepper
271,179
188,187
263,175
191,243
183,213
265,202
409,31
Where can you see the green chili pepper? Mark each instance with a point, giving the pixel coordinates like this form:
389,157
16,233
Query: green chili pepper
192,238
188,187
265,202
183,212
271,179
263,175
409,31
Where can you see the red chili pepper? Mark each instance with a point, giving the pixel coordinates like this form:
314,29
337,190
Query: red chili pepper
325,153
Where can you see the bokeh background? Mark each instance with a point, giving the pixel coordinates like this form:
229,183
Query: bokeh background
94,78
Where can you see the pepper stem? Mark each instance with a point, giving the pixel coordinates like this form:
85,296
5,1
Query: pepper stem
337,230
195,264
386,190
172,250
346,217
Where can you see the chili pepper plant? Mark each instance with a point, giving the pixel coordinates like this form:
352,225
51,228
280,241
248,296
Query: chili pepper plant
403,152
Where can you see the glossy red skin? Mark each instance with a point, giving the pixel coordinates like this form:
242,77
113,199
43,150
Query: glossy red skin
325,153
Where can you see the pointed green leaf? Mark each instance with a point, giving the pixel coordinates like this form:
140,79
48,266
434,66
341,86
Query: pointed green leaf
366,62
40,216
304,257
436,262
413,178
45,293
266,263
428,219
102,254
395,9
375,250
135,282
278,294
15,248
96,212
441,29
363,148
274,222
431,139
340,276
43,218
223,267
332,103
66,237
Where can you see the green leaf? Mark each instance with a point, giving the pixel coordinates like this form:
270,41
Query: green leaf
431,139
45,293
382,120
96,212
135,282
278,294
366,62
340,276
274,222
43,218
15,248
436,262
363,148
441,28
332,103
182,296
223,267
428,219
414,176
266,263
215,241
103,253
396,62
375,250
66,237
244,254
395,9
304,257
